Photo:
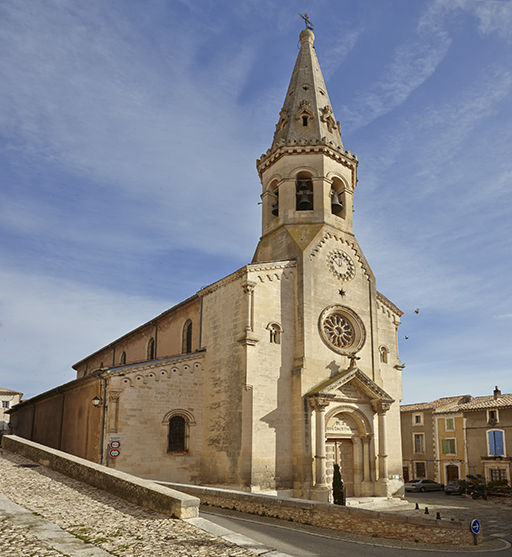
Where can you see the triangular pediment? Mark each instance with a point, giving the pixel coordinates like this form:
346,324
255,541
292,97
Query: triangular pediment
352,384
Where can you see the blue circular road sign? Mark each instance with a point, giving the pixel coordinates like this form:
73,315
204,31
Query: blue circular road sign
475,526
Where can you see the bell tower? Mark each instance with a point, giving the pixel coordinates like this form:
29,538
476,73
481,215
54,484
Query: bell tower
308,178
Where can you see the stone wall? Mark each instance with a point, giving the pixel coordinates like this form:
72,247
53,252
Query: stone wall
346,519
141,492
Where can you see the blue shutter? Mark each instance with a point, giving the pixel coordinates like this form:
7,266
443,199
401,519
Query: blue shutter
496,443
492,443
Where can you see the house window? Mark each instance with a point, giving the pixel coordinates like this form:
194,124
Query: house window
419,443
450,424
151,349
384,354
5,404
448,446
417,419
178,434
492,417
420,469
498,474
496,442
122,359
186,344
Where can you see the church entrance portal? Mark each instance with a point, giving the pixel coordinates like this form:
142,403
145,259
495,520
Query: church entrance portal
340,450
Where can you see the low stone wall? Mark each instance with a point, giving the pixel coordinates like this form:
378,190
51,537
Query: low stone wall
335,517
136,490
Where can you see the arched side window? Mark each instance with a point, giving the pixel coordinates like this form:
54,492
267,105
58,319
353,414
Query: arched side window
177,435
304,193
384,352
122,358
186,344
178,424
151,349
275,331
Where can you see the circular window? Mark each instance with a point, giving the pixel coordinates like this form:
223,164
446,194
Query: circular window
342,330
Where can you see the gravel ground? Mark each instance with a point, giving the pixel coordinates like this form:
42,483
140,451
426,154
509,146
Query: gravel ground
96,517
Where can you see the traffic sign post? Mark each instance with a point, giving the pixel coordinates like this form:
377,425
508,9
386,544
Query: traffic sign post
114,453
475,528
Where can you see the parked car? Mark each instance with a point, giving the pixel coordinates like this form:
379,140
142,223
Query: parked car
423,485
454,487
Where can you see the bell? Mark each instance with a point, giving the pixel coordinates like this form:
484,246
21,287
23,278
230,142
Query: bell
275,208
336,206
304,203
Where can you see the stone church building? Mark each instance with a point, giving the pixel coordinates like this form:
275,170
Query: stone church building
266,378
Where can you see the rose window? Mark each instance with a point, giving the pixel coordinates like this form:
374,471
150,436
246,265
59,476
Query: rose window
339,330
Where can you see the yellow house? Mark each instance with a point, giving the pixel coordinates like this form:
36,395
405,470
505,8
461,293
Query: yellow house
451,463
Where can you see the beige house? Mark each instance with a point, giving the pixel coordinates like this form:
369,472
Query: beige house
458,436
419,439
8,399
265,379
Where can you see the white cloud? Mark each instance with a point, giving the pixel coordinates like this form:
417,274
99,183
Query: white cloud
413,63
45,321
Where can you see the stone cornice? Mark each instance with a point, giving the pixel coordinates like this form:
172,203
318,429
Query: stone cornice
244,271
154,364
390,305
315,146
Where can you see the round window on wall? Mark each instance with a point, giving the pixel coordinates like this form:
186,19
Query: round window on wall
342,330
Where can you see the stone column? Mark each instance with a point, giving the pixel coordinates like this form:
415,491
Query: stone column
381,407
113,414
320,492
248,337
367,477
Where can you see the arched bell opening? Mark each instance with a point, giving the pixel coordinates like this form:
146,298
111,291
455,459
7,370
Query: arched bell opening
304,192
338,201
274,191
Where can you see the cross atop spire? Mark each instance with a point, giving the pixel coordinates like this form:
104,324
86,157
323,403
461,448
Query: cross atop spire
308,23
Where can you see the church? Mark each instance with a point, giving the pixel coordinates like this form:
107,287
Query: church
265,379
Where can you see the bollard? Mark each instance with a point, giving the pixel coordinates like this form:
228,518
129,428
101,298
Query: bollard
426,510
417,507
438,516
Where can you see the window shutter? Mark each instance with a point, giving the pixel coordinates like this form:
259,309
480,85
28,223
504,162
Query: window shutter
498,442
492,442
445,446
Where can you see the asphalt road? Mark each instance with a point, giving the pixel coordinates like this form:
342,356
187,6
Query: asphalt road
307,541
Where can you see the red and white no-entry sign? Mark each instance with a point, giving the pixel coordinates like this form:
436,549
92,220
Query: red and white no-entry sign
115,444
114,453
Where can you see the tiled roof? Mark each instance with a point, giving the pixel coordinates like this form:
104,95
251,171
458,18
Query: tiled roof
480,403
9,392
440,402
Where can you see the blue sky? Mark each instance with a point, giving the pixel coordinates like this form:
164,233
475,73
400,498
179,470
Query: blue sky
129,132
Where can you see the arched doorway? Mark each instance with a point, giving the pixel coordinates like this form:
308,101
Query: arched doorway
340,449
452,472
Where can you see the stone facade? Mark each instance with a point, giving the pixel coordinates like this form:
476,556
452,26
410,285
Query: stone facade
267,378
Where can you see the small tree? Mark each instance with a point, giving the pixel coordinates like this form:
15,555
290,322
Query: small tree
338,493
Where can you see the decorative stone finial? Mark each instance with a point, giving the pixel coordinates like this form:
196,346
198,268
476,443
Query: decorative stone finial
306,36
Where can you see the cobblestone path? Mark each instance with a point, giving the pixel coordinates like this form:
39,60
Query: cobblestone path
94,516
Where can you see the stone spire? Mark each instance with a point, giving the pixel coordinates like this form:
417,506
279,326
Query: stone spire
307,117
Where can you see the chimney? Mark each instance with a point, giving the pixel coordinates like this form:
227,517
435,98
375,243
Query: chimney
497,393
